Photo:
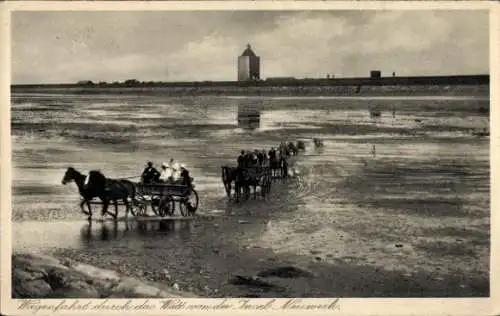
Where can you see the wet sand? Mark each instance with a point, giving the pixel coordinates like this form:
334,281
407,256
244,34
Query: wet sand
366,255
411,221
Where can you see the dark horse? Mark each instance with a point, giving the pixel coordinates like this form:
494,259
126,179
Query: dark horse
301,145
276,167
230,175
291,149
243,179
111,190
73,175
318,143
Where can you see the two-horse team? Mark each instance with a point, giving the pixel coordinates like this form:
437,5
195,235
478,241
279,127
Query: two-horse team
259,174
96,185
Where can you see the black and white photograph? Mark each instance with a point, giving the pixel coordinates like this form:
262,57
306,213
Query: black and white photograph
250,154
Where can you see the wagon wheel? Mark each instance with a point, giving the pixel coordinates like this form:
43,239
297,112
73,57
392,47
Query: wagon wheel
139,207
166,206
155,203
189,203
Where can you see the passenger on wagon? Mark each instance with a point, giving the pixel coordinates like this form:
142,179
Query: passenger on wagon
241,159
176,173
185,177
265,158
166,172
260,156
254,160
150,174
272,154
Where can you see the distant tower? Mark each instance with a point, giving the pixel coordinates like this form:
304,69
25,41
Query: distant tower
248,65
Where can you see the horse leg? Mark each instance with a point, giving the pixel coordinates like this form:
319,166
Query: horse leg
105,204
255,191
83,210
237,191
116,208
228,188
127,206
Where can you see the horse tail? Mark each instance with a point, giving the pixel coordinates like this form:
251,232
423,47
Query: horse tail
226,180
224,172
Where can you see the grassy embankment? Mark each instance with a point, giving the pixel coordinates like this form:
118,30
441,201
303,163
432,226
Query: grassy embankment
398,86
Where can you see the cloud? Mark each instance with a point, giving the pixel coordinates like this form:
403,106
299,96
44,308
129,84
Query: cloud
196,45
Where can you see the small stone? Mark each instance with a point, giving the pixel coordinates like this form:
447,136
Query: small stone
462,286
318,258
176,287
216,225
399,245
242,222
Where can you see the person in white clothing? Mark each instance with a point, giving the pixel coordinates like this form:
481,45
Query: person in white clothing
166,172
176,172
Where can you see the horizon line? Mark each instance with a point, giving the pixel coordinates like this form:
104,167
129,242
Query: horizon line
111,82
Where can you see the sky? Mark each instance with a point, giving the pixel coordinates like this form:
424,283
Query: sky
65,47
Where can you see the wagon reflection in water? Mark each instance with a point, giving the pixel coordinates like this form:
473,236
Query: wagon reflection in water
118,230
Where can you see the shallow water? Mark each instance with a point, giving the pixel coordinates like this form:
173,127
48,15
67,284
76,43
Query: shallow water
426,188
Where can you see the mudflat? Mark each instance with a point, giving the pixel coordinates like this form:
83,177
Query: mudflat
408,219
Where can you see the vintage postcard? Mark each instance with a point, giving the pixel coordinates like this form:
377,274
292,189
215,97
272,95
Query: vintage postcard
243,157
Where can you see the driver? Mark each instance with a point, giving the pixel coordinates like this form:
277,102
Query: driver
185,177
150,174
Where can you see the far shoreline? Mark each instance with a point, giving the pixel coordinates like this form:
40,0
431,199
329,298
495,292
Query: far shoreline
471,85
482,90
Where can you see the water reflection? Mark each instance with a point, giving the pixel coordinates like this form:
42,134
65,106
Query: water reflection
112,230
249,114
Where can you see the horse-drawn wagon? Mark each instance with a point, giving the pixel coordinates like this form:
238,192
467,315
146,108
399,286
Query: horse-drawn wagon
246,177
163,198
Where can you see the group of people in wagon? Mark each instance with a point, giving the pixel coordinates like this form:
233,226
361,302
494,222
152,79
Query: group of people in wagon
171,173
266,158
275,158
